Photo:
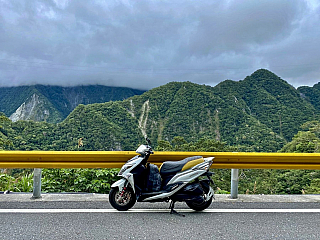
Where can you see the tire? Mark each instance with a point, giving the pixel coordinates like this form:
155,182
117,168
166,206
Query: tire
124,203
199,207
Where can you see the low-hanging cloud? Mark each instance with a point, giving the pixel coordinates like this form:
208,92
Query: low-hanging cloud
144,44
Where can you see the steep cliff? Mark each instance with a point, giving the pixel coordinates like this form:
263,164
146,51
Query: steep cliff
55,103
36,108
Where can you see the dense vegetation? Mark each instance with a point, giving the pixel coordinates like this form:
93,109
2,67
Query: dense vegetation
288,181
261,113
61,180
311,94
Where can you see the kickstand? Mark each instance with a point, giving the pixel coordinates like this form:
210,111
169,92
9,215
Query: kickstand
174,211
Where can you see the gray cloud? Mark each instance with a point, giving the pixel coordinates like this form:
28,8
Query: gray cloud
143,44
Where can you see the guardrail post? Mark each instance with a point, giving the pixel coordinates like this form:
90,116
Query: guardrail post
36,183
234,183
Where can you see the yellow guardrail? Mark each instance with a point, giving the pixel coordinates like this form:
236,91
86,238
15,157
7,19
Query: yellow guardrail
115,159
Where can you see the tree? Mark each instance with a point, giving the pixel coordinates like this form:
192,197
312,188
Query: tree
303,142
307,141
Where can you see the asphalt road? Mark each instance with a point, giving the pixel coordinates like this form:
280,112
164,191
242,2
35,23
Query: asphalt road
153,221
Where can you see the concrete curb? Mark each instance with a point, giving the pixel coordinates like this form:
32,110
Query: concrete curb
91,197
54,197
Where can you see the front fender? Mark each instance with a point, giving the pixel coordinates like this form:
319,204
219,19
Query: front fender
121,184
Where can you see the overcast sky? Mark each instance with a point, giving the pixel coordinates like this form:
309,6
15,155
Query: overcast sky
147,43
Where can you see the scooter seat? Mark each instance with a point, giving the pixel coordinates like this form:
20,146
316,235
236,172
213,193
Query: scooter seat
172,167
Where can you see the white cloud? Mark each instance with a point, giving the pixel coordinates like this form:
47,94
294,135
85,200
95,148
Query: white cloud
144,44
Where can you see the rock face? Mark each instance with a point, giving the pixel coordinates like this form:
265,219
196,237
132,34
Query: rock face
54,103
33,108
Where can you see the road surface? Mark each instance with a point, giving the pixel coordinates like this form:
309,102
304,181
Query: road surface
85,218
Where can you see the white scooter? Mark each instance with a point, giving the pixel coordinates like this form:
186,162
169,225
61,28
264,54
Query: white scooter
176,181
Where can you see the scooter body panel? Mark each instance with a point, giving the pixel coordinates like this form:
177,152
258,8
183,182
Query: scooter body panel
186,176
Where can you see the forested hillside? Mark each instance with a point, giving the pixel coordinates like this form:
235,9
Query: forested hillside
311,94
54,103
271,101
260,113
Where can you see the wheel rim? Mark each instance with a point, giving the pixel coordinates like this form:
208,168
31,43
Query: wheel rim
123,198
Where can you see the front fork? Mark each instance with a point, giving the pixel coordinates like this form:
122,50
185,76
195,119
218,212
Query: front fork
124,182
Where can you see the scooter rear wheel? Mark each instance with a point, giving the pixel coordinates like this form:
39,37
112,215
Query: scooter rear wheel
122,201
199,206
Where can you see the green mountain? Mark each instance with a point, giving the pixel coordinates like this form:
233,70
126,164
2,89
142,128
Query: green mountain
311,94
271,101
54,103
260,113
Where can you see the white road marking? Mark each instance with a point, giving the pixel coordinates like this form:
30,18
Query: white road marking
159,211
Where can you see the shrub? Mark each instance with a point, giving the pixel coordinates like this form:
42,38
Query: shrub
78,180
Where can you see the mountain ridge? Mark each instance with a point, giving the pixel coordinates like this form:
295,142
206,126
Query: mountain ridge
260,113
222,112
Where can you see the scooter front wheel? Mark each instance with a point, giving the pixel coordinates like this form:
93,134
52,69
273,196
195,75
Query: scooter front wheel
199,206
122,201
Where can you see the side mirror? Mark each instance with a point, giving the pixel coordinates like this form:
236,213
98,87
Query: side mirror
148,141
